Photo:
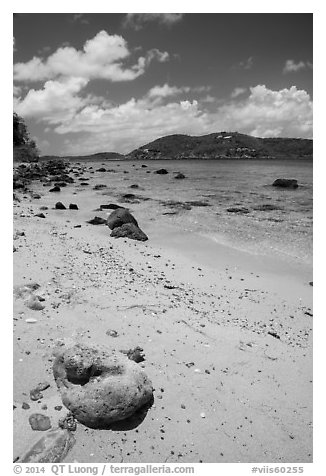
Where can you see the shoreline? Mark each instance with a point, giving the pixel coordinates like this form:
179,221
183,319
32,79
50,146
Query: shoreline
214,307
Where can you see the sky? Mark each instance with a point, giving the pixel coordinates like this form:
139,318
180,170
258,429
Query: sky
103,82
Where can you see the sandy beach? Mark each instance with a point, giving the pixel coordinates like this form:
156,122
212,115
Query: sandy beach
226,335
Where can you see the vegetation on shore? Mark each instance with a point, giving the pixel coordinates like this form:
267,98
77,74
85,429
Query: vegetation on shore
24,148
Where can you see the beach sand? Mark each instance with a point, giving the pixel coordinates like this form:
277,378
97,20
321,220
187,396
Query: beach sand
227,335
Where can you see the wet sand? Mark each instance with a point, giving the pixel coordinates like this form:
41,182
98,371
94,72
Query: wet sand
227,335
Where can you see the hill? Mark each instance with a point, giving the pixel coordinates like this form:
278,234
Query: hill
223,145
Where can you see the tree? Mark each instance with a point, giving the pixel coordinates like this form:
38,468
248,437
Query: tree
24,147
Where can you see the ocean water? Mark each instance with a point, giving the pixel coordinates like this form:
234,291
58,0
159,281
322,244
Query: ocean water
278,221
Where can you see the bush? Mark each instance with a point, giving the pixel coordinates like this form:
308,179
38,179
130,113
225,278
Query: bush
25,149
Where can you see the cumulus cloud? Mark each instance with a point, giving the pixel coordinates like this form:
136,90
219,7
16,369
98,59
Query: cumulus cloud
139,20
268,113
166,91
292,67
238,92
101,57
102,126
57,102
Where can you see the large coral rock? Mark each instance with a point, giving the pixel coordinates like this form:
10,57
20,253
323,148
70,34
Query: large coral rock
51,448
129,230
119,217
100,387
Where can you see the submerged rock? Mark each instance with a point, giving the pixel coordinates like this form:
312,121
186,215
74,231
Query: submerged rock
99,187
60,206
55,189
73,206
266,207
180,176
129,230
285,183
100,387
53,447
242,210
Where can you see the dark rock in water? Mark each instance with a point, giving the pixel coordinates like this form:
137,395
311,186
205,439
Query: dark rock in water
198,203
25,406
144,166
129,230
53,447
110,206
99,187
242,210
97,221
102,169
60,206
180,176
129,196
311,283
119,217
44,208
40,215
162,172
55,189
266,207
112,333
84,183
134,185
39,422
285,183
73,206
98,386
37,196
136,354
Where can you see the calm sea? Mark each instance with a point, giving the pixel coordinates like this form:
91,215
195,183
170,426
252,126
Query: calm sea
275,220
